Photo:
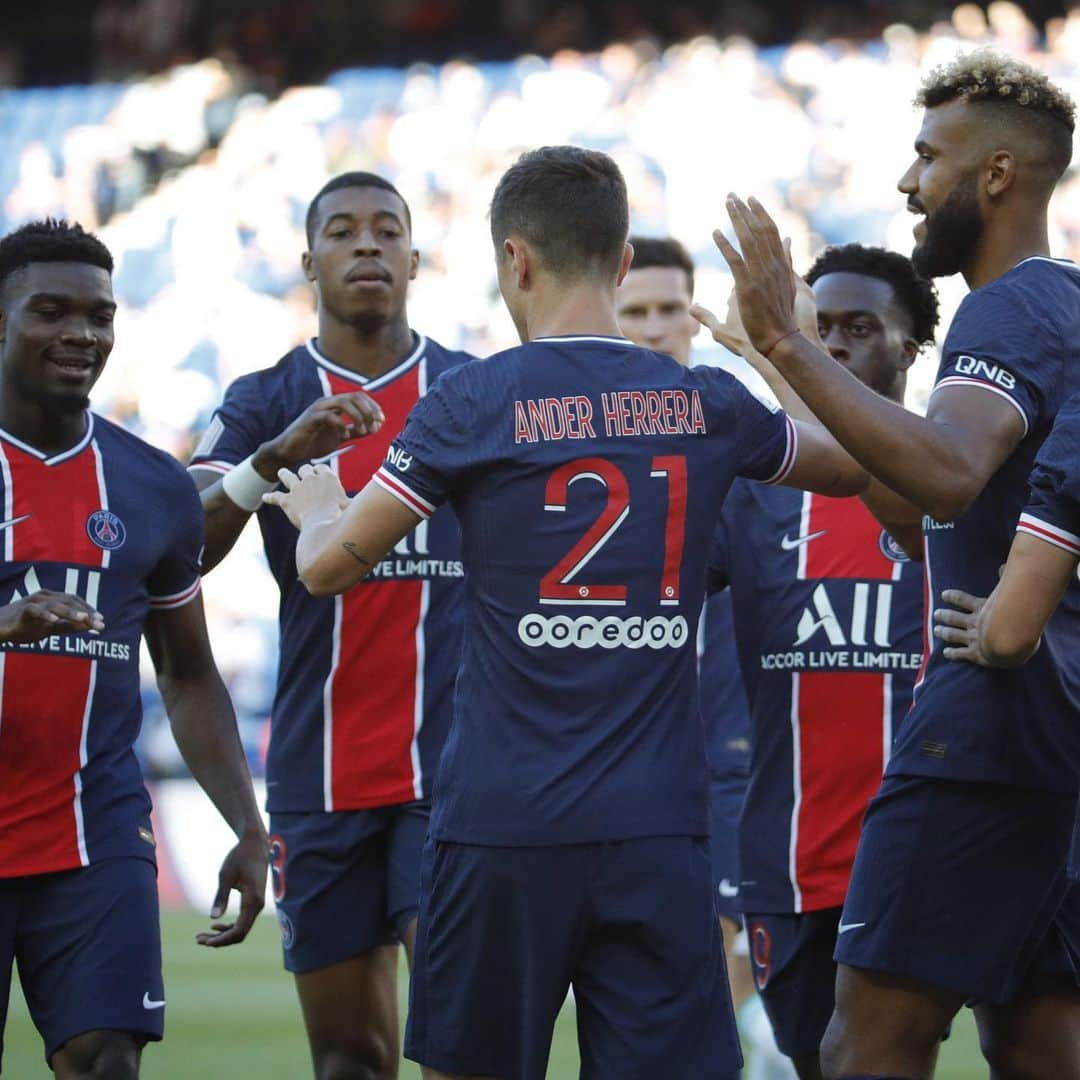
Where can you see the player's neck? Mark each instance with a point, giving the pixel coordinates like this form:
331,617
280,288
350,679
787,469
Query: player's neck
31,423
585,311
1003,245
367,352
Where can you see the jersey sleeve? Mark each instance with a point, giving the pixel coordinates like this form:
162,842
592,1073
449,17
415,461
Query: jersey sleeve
766,439
1053,510
176,579
995,344
425,462
236,430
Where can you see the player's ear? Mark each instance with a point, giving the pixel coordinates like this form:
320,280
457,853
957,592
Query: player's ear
308,266
1000,173
910,352
624,266
517,253
414,263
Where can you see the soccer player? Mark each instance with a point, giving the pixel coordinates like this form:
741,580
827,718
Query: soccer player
653,308
960,872
568,841
101,538
365,680
828,617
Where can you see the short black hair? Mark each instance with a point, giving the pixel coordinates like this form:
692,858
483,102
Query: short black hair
51,240
570,206
914,294
348,180
662,251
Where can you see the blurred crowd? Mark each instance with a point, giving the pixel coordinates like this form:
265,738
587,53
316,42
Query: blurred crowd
198,183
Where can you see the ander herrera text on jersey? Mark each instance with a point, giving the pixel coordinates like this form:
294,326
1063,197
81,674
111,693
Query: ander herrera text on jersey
828,622
119,524
365,680
576,716
1015,339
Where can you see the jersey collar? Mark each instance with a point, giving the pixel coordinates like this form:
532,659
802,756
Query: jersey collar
56,459
369,384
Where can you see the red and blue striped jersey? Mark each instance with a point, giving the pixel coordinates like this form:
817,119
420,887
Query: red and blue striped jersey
1015,338
588,475
365,680
827,611
119,524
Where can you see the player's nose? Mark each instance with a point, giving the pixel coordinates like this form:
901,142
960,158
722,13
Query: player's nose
834,341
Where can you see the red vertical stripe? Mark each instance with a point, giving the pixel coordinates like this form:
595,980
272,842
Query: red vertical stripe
58,499
850,544
44,698
840,717
373,697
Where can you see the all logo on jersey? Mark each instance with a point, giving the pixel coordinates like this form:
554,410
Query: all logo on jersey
891,549
106,530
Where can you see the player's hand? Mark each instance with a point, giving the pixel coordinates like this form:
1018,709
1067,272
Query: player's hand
764,279
244,869
319,430
958,627
315,489
44,613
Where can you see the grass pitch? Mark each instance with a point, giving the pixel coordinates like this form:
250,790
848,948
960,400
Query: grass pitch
233,1013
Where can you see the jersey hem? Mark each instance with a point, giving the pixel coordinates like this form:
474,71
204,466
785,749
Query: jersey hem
960,380
484,836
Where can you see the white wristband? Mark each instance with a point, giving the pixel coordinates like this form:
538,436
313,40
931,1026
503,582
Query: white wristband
246,487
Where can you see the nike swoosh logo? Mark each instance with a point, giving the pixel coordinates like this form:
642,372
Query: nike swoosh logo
727,889
149,1003
790,545
12,521
843,928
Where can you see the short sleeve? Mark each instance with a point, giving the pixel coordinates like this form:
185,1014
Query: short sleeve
1053,510
175,580
995,344
766,439
236,430
435,448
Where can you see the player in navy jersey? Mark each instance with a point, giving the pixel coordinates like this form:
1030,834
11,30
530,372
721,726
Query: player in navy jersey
101,538
828,616
653,308
568,841
365,680
959,880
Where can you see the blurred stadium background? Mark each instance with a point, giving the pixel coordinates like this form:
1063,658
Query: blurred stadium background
191,135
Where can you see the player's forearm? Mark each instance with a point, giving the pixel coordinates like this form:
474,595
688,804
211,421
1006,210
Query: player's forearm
224,522
328,562
916,458
204,726
901,519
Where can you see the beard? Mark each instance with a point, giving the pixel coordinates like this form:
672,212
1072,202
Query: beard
952,232
56,403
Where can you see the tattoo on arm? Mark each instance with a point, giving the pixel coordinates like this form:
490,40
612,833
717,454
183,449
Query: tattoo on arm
351,548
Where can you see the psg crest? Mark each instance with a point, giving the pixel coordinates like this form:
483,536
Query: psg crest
891,549
106,530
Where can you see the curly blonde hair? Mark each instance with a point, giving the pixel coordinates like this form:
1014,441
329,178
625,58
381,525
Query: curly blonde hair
991,77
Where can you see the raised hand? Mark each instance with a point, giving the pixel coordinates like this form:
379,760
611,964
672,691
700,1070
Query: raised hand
44,613
764,279
315,489
319,430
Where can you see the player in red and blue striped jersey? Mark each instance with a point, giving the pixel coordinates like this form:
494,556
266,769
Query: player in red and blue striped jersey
365,680
568,842
101,538
828,616
994,755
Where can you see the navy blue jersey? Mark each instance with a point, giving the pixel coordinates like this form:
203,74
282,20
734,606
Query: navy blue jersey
1017,338
365,680
1053,510
587,474
724,711
118,523
828,623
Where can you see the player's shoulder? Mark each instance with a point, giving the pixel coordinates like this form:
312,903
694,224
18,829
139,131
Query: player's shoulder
299,363
126,450
439,358
1035,293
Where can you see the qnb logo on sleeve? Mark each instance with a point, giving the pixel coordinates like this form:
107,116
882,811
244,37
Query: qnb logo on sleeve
985,369
612,632
399,459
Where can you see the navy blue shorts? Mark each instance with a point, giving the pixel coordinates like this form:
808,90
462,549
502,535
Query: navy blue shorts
959,885
631,925
88,946
727,794
795,973
346,881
